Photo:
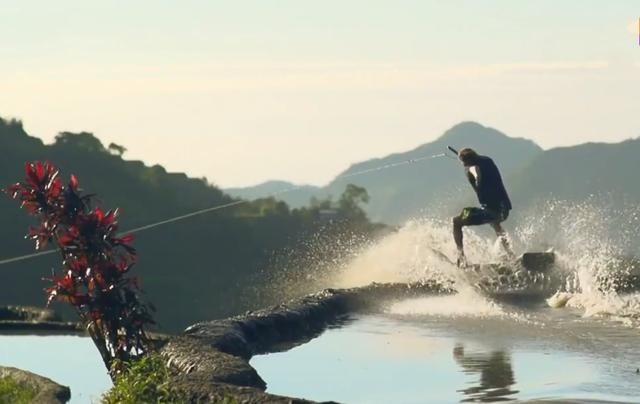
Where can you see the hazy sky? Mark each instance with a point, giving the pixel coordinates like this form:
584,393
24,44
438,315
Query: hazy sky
245,91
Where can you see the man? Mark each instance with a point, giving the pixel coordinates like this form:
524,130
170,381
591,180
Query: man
494,201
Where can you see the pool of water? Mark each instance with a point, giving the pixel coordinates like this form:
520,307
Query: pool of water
66,359
411,355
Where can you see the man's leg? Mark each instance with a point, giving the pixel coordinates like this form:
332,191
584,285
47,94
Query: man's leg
458,222
457,233
502,236
468,217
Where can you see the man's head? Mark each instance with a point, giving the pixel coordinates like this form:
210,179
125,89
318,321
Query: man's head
468,157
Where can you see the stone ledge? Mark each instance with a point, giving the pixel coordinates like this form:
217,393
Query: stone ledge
40,326
28,313
47,391
212,358
34,320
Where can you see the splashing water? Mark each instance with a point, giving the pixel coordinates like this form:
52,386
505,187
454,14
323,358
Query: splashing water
594,245
463,304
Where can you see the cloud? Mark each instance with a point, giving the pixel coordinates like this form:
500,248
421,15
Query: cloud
502,68
217,78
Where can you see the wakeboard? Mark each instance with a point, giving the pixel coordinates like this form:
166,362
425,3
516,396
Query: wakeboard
529,274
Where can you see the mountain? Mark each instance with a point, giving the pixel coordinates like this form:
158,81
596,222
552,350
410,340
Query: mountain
296,195
579,172
405,191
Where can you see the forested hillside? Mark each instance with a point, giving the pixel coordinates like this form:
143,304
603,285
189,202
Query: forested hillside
191,270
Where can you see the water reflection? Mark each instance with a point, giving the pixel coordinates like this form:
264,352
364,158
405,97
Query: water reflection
496,375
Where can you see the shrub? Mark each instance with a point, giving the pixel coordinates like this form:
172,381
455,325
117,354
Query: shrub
16,393
95,262
143,380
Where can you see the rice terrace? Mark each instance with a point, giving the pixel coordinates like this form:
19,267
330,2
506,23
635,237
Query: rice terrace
335,202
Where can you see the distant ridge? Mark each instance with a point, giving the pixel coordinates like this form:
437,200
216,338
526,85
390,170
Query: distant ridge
405,191
578,172
296,195
573,173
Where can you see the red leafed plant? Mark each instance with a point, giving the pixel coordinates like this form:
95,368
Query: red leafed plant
95,262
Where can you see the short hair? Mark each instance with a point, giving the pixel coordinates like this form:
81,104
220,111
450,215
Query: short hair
467,155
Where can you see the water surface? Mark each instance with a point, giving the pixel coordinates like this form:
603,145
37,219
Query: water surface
69,360
407,356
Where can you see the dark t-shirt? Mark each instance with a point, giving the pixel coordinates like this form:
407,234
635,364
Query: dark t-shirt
488,185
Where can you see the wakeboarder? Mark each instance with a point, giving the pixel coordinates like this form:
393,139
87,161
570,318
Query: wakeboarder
485,178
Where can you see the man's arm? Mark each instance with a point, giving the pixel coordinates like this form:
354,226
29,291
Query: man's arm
478,174
473,175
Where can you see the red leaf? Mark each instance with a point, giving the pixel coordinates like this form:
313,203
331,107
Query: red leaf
126,239
30,173
55,187
14,190
109,218
73,182
99,214
65,239
39,170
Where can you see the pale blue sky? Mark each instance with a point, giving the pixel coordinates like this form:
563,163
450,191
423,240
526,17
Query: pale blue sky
244,91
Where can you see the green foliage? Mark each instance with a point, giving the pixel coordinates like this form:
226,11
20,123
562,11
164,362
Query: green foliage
145,380
350,201
12,392
117,149
83,140
347,212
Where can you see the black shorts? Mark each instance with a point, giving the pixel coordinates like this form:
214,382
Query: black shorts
477,216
